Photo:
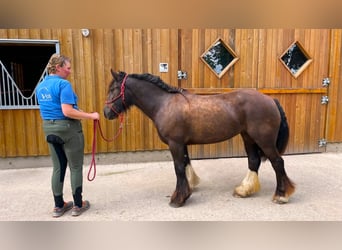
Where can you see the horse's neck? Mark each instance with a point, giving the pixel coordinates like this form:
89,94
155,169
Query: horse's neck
148,98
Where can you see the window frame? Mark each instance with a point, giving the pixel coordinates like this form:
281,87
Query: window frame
26,102
231,52
304,66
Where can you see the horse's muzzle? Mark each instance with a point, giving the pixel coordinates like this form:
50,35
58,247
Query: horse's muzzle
109,114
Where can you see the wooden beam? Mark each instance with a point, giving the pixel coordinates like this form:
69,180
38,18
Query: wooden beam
203,91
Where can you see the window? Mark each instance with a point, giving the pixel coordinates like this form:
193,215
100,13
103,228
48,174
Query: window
295,59
219,57
22,67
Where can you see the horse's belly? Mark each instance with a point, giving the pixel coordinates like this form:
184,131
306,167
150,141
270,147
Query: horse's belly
211,125
213,135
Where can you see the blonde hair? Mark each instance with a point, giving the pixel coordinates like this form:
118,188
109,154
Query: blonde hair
56,59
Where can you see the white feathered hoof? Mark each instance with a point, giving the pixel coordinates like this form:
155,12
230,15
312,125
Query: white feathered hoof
249,185
191,176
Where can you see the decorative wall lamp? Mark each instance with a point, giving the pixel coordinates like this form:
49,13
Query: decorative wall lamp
85,32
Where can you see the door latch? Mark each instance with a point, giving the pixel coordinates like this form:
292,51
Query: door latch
182,75
324,99
322,143
326,82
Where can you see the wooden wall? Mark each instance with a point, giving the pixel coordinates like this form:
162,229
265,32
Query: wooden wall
141,50
334,114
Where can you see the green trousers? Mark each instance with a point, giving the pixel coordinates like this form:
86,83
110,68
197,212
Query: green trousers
66,145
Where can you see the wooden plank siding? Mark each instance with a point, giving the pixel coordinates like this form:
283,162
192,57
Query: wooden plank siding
334,113
141,50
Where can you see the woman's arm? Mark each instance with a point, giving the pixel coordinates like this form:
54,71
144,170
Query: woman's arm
72,113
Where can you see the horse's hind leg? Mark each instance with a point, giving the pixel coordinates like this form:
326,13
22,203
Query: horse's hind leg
250,184
192,177
285,187
183,190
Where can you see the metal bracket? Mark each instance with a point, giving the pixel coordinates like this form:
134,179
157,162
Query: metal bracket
324,99
322,143
326,82
182,75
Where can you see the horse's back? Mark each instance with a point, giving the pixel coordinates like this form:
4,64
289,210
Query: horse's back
242,100
251,97
252,109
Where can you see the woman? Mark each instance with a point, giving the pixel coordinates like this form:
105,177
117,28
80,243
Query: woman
63,130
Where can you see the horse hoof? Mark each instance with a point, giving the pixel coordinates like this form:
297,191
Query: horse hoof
280,199
240,193
245,191
178,202
175,205
249,185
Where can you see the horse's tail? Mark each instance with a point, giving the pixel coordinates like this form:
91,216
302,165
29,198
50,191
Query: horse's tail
283,133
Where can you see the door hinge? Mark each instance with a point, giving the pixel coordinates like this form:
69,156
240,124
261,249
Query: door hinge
324,99
326,82
322,143
182,75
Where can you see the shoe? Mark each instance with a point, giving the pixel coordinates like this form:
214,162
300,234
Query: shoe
76,211
59,211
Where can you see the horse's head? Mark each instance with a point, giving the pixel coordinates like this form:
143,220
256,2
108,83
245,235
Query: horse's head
115,103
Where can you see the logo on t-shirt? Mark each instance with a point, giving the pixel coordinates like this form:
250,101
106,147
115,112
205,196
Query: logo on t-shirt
44,95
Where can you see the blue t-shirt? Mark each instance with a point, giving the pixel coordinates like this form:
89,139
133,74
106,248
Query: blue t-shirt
51,93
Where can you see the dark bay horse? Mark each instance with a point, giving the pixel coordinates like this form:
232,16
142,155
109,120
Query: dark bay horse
183,118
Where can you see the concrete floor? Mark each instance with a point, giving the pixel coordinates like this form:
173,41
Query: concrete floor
141,192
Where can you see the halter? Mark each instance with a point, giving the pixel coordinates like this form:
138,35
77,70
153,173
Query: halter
121,95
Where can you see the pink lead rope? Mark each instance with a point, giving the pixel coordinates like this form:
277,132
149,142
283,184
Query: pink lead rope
93,151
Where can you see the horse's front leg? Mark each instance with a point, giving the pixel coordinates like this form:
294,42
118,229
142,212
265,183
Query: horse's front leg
183,190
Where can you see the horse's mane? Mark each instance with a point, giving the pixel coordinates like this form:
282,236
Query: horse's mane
158,82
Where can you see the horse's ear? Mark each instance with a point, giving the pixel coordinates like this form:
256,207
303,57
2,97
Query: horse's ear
114,74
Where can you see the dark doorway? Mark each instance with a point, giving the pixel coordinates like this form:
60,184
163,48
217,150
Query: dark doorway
25,62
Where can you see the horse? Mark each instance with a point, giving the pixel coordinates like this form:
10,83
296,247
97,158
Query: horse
183,118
